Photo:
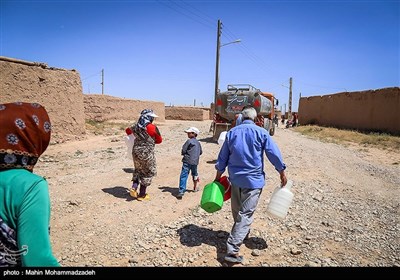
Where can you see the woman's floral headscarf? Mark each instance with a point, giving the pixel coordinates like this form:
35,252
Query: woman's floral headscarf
25,131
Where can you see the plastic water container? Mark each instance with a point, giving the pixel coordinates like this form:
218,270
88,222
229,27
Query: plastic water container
221,138
280,201
129,141
212,198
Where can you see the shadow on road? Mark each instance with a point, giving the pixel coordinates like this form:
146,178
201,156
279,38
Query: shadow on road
119,192
207,140
172,191
128,170
192,235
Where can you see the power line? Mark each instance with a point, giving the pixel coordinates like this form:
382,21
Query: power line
193,13
202,22
252,56
264,66
319,86
91,76
209,20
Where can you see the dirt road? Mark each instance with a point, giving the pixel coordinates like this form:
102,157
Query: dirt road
345,210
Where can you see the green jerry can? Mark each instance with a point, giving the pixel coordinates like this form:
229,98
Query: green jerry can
212,198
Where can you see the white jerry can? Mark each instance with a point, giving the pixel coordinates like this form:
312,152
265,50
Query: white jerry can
221,138
129,140
280,201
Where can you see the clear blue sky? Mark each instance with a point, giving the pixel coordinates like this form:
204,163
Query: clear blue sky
166,50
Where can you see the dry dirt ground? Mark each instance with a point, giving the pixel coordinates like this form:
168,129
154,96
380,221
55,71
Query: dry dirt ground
345,210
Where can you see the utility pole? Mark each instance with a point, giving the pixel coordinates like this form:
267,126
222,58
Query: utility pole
290,99
298,106
102,81
217,63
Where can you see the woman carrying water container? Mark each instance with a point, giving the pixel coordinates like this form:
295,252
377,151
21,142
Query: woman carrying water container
243,154
146,136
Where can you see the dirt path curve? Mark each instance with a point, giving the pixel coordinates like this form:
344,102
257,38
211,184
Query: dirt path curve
345,210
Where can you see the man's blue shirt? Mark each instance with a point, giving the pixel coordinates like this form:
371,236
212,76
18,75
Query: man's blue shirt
243,154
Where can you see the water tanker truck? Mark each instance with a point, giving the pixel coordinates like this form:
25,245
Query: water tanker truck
231,102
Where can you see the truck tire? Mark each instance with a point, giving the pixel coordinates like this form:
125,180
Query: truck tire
269,126
272,130
218,129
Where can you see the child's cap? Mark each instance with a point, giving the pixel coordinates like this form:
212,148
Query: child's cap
193,129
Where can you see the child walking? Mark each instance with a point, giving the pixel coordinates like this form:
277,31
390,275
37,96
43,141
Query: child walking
191,152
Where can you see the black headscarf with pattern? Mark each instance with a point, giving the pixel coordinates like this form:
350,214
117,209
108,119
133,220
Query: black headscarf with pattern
145,118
